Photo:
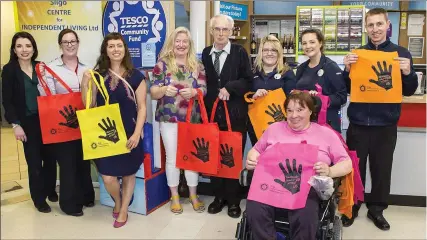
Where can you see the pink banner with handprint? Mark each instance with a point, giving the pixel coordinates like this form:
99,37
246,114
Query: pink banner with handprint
282,173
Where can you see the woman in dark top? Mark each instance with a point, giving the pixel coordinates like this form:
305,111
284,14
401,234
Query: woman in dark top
321,70
271,73
20,92
115,65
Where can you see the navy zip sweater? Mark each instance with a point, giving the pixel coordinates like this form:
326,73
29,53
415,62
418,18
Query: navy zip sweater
333,85
269,82
382,114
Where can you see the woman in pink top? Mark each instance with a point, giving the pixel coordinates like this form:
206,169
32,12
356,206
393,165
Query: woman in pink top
299,108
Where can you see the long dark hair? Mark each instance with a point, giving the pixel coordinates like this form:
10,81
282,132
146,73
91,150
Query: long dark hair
103,63
13,56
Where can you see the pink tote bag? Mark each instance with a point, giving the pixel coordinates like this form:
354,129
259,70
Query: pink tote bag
282,173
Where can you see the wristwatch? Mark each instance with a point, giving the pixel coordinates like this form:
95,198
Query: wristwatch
15,125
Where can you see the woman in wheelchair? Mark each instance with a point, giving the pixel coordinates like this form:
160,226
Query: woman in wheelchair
300,110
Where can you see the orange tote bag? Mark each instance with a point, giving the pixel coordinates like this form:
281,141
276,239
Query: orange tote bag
375,77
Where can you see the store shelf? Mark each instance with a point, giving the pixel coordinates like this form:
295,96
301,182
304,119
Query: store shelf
238,37
285,55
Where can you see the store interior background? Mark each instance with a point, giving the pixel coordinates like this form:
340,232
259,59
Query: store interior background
412,143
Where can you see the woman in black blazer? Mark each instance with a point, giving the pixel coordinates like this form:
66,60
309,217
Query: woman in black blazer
19,89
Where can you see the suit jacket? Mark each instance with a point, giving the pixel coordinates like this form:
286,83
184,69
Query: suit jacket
13,91
236,77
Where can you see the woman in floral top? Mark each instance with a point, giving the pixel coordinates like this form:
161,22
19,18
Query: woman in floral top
176,77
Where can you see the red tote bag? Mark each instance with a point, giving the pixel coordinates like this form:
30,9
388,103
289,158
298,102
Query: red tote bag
230,153
198,144
58,119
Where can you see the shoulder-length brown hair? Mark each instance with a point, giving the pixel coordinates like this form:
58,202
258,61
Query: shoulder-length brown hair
103,63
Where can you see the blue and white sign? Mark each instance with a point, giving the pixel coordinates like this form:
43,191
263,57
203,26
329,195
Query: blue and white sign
139,22
148,54
234,10
388,5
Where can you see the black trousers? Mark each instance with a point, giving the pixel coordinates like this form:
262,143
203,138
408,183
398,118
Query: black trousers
377,142
40,160
76,186
226,188
251,133
303,222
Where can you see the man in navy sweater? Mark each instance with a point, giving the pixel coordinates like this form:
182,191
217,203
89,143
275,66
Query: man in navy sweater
373,126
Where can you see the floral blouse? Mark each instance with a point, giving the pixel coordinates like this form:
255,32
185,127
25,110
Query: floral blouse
174,109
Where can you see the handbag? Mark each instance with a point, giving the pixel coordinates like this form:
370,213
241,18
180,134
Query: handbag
230,153
102,129
266,110
198,144
57,113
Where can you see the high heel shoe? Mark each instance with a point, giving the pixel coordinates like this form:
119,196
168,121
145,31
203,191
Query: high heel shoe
120,224
199,206
176,207
115,214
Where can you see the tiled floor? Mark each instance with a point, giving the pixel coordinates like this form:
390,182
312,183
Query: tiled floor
22,221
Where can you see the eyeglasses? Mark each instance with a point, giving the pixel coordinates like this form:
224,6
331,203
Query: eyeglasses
224,30
72,43
272,51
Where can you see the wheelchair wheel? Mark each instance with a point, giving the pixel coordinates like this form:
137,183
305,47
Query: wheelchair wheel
337,229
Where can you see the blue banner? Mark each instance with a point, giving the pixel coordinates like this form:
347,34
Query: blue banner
234,10
388,5
139,22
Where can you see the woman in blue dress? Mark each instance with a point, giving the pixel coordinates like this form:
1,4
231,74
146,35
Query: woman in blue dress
125,86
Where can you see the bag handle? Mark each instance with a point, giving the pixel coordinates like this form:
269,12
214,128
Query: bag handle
201,106
101,87
54,75
247,98
227,116
325,104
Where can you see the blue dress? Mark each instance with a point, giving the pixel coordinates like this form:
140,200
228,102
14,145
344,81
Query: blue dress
124,164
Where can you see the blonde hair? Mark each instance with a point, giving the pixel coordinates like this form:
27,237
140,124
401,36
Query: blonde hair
228,18
281,66
167,54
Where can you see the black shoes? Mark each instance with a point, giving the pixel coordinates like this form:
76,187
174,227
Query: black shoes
379,220
44,208
234,211
75,214
347,222
89,204
216,206
53,197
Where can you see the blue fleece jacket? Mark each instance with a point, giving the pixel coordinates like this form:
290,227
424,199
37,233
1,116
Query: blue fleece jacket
333,85
269,82
382,114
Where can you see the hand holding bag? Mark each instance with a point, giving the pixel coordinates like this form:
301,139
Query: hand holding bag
57,113
266,110
198,144
230,153
103,133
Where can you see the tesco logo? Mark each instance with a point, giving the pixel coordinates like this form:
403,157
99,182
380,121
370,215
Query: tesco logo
140,21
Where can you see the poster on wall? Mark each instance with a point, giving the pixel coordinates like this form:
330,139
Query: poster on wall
142,24
416,46
45,19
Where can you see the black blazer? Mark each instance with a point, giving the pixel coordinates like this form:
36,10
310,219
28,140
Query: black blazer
13,91
236,77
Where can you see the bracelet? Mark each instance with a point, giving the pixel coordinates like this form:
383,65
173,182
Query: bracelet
14,125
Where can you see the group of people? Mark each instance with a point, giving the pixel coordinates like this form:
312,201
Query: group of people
224,72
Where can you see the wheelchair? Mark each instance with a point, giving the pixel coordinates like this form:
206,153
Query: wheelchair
330,225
